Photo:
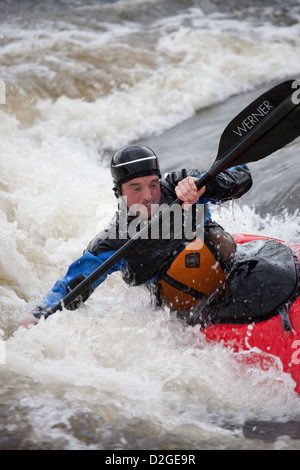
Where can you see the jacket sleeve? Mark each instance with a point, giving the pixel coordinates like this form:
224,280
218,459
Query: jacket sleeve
230,184
79,269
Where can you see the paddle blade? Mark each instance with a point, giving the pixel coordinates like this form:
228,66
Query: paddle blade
278,109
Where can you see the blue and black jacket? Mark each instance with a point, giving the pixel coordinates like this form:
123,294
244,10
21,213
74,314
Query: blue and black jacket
151,257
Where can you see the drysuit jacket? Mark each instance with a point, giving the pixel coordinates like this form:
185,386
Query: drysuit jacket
151,257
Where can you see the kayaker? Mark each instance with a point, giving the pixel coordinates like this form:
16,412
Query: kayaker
141,192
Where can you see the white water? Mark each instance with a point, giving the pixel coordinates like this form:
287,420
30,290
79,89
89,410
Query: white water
118,373
119,368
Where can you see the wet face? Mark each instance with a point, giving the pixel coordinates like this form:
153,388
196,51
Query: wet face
143,195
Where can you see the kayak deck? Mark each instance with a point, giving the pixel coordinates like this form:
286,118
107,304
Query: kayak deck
267,341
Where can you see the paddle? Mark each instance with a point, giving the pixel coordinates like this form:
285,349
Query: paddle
266,125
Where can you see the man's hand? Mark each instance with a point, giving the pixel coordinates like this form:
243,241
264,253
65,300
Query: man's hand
186,190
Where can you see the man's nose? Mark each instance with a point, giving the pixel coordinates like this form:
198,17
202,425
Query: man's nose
147,196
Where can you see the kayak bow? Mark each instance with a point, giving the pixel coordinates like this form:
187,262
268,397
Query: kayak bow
268,343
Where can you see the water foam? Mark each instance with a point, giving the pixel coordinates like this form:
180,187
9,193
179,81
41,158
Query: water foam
119,364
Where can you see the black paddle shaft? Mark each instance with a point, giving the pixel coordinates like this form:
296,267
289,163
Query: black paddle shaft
251,136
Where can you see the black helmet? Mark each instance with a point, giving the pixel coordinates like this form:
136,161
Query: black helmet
132,162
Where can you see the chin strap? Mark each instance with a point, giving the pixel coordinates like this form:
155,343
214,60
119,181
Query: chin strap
117,190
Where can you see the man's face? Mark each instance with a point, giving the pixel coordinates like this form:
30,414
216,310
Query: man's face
143,195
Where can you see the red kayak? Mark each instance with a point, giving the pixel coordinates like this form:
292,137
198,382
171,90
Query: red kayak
268,340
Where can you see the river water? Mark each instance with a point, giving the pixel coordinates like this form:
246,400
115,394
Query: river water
83,79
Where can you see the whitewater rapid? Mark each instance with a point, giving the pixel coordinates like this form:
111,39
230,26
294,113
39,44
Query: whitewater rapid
81,81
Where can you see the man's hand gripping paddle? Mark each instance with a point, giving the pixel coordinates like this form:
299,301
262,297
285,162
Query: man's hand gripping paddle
266,125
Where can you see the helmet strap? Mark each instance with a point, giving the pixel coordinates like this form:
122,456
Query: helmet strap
117,190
